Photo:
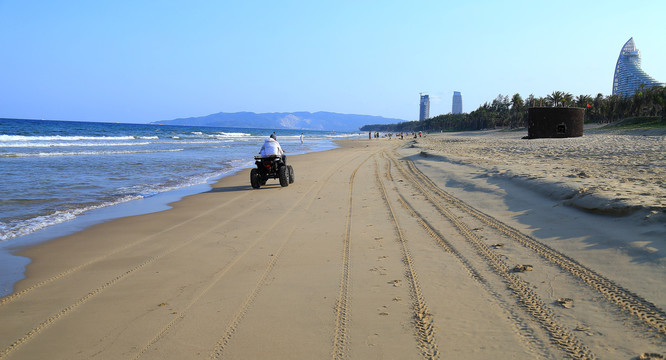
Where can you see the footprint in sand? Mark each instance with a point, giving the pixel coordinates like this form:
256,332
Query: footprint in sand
396,283
383,311
379,270
565,302
523,268
651,356
582,327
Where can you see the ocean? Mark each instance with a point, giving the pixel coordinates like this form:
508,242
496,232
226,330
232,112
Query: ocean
56,173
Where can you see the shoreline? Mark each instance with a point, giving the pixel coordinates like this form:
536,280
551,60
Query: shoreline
92,165
338,262
12,266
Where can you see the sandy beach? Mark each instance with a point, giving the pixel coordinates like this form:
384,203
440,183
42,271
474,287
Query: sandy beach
475,245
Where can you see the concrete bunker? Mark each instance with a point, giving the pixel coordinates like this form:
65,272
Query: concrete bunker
554,122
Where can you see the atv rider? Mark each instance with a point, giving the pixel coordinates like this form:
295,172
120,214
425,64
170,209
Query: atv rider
272,147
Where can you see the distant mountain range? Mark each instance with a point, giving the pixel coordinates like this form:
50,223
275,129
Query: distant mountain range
294,120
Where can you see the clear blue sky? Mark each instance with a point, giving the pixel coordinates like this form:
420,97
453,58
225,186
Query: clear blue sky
141,61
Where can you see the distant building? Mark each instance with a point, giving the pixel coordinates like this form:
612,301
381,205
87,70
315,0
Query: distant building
457,103
424,108
628,75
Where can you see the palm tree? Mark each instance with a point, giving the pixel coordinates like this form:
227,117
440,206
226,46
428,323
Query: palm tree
583,100
555,98
657,101
517,111
567,99
598,106
516,102
531,101
638,101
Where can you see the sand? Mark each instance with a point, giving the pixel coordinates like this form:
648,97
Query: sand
381,249
613,174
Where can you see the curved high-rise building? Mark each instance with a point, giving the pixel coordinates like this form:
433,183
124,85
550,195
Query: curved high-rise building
628,73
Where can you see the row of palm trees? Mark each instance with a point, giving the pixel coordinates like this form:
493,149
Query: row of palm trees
511,112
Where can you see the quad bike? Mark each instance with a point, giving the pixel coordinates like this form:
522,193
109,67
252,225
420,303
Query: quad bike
271,167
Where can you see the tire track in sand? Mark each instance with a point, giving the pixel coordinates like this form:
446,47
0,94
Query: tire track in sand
423,319
342,304
92,293
629,302
220,346
12,297
559,335
520,323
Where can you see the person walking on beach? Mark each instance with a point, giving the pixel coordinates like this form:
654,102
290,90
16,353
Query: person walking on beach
301,138
272,147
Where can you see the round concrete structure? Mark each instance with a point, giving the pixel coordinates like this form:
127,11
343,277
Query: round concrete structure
554,122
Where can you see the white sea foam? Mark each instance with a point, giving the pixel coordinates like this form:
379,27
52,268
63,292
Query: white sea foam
25,227
344,136
28,226
79,153
5,138
67,144
232,134
90,164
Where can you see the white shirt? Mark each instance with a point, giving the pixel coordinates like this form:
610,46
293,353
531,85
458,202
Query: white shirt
271,147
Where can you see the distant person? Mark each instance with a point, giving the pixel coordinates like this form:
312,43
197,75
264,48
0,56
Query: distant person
369,135
272,147
301,138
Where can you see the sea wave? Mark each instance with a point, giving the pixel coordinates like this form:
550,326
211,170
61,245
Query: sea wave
79,153
28,226
233,134
17,228
344,136
6,138
67,144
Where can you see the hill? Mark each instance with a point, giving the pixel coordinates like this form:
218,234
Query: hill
293,120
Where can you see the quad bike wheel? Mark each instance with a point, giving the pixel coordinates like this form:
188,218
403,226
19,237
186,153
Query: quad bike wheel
255,178
291,174
284,176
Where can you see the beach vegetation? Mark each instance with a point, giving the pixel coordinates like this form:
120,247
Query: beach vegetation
555,99
642,122
506,112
